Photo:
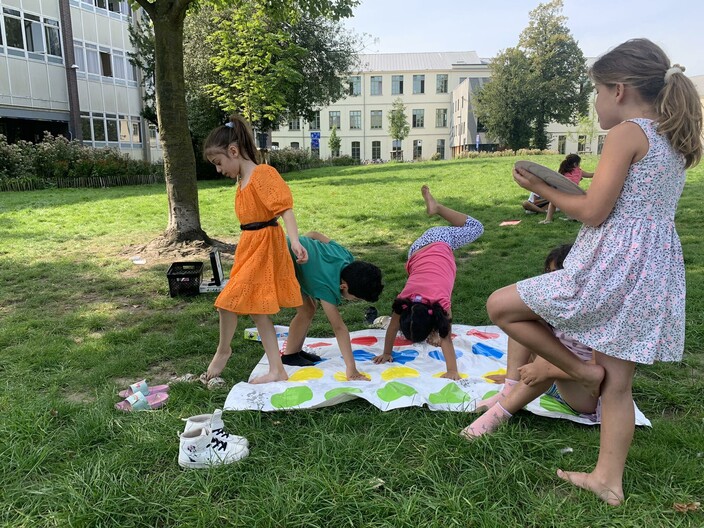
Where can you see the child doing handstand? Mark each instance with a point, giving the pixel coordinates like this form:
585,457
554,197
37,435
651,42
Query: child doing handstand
262,278
423,307
330,275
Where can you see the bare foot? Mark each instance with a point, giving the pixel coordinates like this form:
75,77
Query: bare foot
592,379
610,495
270,377
217,364
431,205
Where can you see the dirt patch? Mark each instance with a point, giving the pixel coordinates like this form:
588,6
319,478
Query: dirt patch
155,375
80,397
158,251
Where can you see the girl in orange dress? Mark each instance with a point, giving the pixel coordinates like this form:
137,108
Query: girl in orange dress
262,279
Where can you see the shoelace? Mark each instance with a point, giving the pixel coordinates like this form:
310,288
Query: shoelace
218,444
221,432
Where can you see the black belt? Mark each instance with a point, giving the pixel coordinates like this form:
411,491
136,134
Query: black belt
254,226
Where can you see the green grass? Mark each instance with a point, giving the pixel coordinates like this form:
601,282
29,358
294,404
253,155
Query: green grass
78,321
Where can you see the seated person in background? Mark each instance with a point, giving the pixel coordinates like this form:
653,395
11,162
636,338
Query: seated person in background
535,204
570,169
330,275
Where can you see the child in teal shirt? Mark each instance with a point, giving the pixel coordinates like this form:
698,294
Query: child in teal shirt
330,275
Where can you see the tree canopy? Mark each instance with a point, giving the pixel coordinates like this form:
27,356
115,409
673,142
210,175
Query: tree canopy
542,80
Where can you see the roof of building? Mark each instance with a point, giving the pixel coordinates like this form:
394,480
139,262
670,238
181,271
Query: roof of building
442,60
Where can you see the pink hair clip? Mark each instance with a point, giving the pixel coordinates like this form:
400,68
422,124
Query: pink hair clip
404,307
430,311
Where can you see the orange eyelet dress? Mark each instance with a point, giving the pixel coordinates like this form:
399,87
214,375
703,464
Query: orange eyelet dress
262,279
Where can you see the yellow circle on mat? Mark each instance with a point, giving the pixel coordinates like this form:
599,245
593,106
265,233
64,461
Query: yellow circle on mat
306,374
440,374
341,376
500,372
399,372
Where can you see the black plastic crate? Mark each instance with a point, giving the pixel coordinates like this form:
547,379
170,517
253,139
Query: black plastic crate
185,278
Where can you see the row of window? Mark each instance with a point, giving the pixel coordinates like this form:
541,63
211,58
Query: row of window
28,35
356,149
354,83
116,7
103,61
376,120
111,128
581,144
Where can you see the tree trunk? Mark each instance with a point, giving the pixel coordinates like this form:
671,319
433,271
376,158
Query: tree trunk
179,160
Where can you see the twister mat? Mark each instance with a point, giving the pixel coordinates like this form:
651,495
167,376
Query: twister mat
412,380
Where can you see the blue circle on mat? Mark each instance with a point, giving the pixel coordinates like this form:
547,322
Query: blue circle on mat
404,356
480,349
437,354
362,355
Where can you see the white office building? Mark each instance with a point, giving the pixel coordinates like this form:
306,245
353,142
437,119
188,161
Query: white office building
64,69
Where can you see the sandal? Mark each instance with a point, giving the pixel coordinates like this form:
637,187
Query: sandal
144,388
140,402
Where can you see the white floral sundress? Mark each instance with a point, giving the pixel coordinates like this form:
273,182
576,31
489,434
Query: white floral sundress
622,289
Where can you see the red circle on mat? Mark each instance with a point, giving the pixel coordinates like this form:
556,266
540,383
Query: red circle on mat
319,344
364,341
402,341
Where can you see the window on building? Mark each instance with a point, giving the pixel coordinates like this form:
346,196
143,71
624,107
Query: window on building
295,145
441,83
375,119
356,150
355,119
441,118
118,65
335,119
33,33
419,84
600,143
111,127
376,85
152,132
105,64
314,124
441,149
581,143
417,149
354,85
136,129
475,84
376,150
397,85
561,144
78,55
418,120
53,39
396,151
294,123
99,127
102,4
86,128
114,6
13,28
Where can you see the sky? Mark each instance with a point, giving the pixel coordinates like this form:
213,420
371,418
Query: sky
489,26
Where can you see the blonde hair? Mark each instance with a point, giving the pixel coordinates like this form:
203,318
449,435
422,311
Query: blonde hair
643,65
235,131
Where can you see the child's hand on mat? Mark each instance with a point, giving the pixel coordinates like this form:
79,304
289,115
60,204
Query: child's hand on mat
383,358
355,375
451,374
532,375
300,252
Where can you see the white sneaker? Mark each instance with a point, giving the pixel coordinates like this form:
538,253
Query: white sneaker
216,425
199,448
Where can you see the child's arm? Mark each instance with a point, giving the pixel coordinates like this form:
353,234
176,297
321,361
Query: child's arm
586,174
292,232
315,235
391,333
343,341
448,350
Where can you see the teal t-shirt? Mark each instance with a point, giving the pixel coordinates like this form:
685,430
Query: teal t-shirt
320,276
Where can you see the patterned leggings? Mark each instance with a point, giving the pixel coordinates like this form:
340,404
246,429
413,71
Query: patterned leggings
453,236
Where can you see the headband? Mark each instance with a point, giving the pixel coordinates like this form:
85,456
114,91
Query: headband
671,71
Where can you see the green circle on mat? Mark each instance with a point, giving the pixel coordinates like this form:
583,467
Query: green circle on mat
395,390
551,404
450,393
341,390
489,394
292,397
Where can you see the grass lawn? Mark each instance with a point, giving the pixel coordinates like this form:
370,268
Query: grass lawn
79,321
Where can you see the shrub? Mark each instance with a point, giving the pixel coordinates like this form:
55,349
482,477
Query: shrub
289,160
344,160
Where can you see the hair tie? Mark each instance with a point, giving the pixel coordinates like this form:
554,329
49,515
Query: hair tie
430,311
230,124
404,307
418,299
676,68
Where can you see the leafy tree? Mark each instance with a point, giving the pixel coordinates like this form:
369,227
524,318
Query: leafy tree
334,143
167,17
142,39
398,121
550,69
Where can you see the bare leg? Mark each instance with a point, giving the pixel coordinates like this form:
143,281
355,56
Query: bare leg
617,425
510,313
432,207
576,397
517,356
300,324
228,325
266,330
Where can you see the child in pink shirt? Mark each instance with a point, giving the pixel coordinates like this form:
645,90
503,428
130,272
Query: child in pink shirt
570,169
424,306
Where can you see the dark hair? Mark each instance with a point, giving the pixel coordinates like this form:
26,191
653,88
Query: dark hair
236,131
363,280
557,256
569,163
418,320
644,65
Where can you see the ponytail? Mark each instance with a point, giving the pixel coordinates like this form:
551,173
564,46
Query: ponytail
418,319
236,131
